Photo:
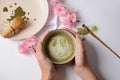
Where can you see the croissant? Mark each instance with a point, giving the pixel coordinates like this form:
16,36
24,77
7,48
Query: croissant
16,26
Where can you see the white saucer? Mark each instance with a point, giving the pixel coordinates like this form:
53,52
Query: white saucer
38,10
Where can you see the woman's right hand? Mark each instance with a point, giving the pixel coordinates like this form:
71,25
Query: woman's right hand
81,65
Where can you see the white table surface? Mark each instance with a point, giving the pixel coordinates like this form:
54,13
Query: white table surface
103,13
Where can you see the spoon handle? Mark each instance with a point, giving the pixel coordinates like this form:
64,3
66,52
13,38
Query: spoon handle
96,37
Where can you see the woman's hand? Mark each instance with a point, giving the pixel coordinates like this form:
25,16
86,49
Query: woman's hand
48,69
81,65
80,56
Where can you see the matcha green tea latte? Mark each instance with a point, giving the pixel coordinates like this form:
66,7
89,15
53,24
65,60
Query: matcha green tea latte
60,46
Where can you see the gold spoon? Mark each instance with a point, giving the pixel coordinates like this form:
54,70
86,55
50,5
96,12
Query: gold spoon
96,37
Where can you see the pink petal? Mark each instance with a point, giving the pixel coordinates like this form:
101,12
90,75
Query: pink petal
69,18
54,2
26,46
59,9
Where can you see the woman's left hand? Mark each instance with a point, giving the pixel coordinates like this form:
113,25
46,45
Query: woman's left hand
48,69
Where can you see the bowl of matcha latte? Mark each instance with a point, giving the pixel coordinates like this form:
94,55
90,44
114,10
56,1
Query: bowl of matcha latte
59,46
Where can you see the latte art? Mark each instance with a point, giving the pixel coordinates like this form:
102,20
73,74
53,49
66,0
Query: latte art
60,47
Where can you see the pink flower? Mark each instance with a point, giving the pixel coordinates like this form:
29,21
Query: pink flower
69,18
28,45
54,2
59,9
